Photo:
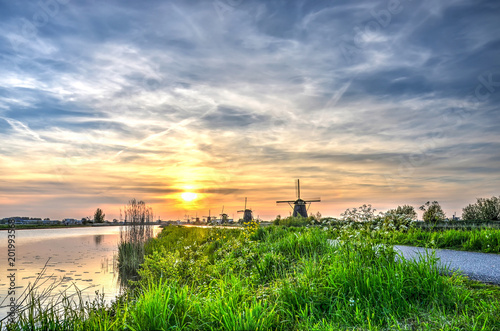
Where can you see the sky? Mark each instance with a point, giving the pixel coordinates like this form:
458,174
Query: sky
367,102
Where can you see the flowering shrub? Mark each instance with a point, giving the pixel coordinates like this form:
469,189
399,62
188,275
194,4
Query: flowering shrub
392,221
251,227
363,214
406,210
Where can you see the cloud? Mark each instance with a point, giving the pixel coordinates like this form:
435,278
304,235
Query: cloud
243,100
22,129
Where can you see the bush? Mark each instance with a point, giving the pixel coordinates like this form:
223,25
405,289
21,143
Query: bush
483,210
405,210
294,221
362,214
392,221
433,212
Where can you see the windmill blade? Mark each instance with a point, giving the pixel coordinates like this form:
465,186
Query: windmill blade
297,189
240,211
315,199
245,202
309,200
285,201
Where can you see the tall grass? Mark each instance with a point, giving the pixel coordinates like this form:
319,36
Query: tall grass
131,248
136,232
44,306
279,278
479,240
295,279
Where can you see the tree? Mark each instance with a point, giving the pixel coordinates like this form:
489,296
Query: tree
99,216
483,210
405,210
432,212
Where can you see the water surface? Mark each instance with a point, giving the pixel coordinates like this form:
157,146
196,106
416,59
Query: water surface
85,257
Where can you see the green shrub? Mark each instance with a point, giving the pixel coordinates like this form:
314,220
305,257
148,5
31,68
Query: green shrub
485,210
405,210
432,212
364,213
293,221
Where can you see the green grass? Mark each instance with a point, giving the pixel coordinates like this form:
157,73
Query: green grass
390,231
131,248
286,278
478,240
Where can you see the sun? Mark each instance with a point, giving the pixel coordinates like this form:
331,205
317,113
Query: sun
189,196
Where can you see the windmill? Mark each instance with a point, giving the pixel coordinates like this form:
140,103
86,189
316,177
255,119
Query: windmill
299,206
196,218
209,218
247,213
223,217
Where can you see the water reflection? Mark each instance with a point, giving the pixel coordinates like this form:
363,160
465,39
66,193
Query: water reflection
109,265
98,239
74,258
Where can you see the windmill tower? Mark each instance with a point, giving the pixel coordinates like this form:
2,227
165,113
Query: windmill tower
247,213
209,218
196,218
299,206
223,217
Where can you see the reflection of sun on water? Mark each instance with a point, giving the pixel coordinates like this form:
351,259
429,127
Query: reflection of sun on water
189,196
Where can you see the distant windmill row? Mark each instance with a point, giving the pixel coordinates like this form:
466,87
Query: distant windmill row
299,206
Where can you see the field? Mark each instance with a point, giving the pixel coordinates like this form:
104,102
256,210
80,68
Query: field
284,278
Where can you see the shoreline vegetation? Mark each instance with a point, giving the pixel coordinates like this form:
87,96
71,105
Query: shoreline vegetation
61,226
295,276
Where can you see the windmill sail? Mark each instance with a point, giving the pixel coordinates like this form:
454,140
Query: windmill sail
247,213
299,206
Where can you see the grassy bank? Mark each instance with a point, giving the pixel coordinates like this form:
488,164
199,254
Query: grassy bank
485,240
285,279
480,240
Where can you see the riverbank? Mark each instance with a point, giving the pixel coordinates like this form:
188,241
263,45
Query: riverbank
39,226
286,279
60,226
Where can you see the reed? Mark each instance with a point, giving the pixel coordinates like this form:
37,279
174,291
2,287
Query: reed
134,235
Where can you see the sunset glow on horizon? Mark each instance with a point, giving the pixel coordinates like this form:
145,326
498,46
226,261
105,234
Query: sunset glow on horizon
191,109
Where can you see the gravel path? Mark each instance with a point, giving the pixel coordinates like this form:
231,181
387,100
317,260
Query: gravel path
478,266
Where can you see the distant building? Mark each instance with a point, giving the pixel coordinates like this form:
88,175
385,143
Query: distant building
26,220
71,221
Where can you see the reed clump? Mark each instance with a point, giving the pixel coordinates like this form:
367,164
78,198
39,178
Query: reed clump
134,235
